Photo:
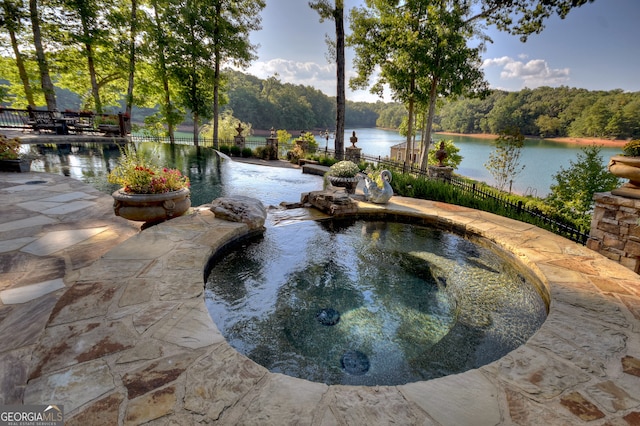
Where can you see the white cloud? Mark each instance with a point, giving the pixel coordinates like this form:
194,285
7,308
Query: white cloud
322,77
534,73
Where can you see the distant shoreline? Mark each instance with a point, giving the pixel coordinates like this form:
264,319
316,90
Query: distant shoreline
575,141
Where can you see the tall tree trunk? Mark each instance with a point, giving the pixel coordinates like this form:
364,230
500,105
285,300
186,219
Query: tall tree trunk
22,72
424,154
95,90
196,129
408,155
132,55
168,106
340,77
216,97
216,73
43,66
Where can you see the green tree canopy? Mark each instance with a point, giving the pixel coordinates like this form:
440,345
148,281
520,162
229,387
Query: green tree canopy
572,193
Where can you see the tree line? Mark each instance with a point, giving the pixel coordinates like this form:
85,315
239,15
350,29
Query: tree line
547,112
168,55
543,112
163,54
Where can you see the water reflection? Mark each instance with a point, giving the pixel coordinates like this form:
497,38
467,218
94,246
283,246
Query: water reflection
211,177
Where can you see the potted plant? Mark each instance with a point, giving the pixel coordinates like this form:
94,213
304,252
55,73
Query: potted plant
345,174
10,159
148,192
627,165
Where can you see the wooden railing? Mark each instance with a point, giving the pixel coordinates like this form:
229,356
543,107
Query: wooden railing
66,122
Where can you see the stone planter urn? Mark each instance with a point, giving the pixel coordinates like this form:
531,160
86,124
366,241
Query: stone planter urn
151,207
348,183
627,168
19,166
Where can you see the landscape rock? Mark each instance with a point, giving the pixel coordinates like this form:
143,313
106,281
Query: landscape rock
240,209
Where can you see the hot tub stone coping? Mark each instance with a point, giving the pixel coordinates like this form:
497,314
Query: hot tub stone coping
132,341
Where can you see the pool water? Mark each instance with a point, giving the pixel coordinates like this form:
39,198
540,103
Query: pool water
370,303
210,175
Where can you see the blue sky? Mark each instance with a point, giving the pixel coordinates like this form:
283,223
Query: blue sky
597,47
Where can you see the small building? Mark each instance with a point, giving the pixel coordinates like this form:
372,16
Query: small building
398,152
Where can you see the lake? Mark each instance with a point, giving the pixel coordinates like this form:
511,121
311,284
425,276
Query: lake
541,158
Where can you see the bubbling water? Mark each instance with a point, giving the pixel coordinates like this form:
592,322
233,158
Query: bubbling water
370,302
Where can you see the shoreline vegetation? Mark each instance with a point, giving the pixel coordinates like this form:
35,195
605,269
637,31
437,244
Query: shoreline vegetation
567,140
488,136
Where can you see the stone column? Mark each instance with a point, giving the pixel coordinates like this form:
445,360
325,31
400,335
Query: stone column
442,173
272,145
352,153
238,139
615,232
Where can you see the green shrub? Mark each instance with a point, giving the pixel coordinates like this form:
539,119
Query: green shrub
632,148
247,152
295,154
436,190
235,151
268,152
225,149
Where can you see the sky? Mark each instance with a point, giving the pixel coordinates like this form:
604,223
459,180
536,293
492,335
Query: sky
596,47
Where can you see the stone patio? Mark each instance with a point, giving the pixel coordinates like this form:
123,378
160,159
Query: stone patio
111,323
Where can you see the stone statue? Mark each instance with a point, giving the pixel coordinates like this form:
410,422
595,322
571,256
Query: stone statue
375,194
441,155
353,139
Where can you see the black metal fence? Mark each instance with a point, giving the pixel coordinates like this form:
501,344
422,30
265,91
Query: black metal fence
65,122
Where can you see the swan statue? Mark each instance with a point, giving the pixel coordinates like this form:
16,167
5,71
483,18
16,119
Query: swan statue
375,194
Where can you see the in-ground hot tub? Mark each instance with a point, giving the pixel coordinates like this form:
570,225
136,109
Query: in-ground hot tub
371,302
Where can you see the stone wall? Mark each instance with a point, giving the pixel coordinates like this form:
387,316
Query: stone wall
615,232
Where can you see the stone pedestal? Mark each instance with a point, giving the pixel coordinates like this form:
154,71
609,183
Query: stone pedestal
443,173
615,232
352,153
272,146
239,141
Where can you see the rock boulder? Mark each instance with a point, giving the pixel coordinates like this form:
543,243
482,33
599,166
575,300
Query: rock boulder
240,209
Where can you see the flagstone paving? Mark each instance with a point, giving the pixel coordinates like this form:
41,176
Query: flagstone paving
128,339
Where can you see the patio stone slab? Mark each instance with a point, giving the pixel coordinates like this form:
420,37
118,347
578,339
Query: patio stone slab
190,327
65,345
104,412
476,399
70,387
158,373
68,207
30,319
27,223
60,240
30,292
218,381
13,375
15,244
151,406
84,301
69,196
